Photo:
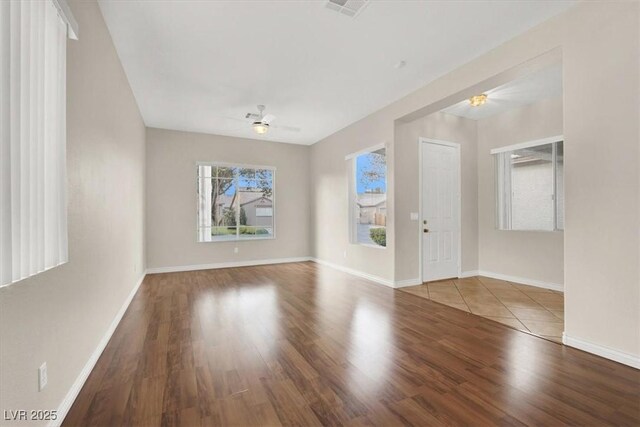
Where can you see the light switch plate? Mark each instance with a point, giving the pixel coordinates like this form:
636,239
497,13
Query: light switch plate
42,376
414,216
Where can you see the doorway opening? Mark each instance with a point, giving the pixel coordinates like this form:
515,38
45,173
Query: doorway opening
491,209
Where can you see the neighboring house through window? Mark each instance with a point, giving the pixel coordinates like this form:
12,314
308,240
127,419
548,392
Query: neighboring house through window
235,202
368,196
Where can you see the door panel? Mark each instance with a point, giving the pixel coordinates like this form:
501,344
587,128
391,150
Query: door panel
440,210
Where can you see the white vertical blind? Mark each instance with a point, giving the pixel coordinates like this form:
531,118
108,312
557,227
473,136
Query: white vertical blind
503,190
33,203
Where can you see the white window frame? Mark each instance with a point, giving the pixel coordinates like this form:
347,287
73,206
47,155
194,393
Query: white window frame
503,193
239,237
353,190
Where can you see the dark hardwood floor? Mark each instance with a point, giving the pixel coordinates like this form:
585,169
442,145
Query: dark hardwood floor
301,344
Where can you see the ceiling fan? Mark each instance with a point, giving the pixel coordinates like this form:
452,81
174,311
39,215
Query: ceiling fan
261,122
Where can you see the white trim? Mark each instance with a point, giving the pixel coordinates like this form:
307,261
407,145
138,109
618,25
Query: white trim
602,351
371,277
369,245
71,395
407,282
457,147
469,273
231,264
522,280
365,150
235,165
67,16
439,142
528,144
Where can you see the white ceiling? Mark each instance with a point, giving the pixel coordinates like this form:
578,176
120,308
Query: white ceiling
201,65
546,83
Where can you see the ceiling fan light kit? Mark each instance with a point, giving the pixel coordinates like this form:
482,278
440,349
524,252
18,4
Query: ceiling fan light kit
260,128
261,121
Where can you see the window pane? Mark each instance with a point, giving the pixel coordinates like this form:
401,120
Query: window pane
264,175
532,188
255,196
234,203
370,201
224,172
560,185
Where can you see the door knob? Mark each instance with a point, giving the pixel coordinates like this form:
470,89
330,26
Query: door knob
426,230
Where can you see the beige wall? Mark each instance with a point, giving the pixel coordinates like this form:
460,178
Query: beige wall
329,200
534,255
600,44
445,127
602,184
60,316
171,198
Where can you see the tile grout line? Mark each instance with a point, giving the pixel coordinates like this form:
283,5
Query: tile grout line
462,296
533,320
500,301
545,308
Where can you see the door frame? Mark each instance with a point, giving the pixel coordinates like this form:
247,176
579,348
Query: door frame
456,146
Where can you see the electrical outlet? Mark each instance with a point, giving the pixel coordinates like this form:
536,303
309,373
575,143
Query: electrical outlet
235,250
42,376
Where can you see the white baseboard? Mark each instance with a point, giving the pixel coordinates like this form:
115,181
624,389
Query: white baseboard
357,273
407,282
599,350
522,280
470,273
225,265
68,400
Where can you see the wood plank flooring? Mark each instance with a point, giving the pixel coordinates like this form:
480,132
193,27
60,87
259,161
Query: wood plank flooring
302,344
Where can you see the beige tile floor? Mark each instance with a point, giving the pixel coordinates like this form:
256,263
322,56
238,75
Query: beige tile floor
527,308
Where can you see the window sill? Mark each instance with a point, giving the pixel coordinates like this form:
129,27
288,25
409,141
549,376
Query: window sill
532,231
246,239
368,245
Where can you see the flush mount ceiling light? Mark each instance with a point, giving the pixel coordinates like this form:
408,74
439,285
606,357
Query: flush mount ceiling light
478,100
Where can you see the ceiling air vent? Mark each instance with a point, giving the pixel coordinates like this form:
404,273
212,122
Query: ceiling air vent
350,8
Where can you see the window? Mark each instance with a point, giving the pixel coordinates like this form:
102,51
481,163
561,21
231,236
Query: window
33,202
368,197
530,185
235,202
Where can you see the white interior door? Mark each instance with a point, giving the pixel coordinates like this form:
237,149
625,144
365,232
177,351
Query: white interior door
440,210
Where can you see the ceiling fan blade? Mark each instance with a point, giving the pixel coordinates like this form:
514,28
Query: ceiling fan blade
268,118
235,119
287,128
